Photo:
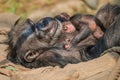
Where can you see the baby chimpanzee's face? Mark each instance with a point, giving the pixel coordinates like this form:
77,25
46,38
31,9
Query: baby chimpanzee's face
68,27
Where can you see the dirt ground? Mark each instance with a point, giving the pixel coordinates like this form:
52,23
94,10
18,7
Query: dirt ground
97,69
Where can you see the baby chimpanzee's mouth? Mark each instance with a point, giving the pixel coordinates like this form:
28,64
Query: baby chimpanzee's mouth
31,55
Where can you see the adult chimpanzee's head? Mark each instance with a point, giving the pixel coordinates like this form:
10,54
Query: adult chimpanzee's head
49,29
28,40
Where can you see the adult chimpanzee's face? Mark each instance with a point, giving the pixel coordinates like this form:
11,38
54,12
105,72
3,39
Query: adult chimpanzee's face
28,40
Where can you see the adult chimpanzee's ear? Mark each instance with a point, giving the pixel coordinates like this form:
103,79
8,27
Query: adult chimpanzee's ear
30,56
17,21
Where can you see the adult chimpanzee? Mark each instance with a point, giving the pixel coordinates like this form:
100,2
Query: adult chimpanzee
107,14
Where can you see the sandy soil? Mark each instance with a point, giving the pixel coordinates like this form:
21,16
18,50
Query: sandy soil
97,69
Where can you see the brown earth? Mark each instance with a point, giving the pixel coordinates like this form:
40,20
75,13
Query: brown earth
97,69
